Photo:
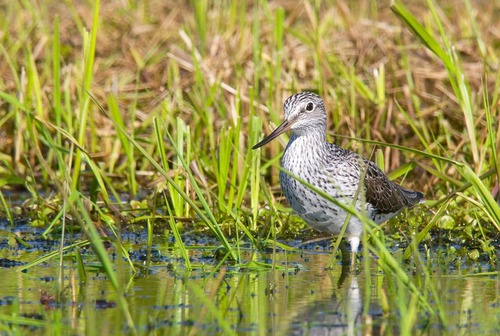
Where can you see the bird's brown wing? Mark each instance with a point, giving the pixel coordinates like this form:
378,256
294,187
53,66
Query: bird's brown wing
385,195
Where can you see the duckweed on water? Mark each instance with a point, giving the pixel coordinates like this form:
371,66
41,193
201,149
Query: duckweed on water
132,202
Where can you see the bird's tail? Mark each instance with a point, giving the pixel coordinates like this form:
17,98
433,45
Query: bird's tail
413,197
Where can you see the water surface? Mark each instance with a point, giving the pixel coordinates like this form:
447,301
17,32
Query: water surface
294,296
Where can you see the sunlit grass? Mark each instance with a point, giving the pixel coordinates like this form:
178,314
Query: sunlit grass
167,99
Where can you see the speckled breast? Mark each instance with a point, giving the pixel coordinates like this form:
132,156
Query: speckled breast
317,211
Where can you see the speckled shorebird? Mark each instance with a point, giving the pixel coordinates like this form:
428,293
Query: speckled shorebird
336,171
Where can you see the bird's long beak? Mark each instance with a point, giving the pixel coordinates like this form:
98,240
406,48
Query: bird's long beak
285,126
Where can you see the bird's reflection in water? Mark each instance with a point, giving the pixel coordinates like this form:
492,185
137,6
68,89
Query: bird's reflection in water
336,310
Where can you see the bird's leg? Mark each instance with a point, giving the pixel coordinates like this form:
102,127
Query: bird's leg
354,241
353,259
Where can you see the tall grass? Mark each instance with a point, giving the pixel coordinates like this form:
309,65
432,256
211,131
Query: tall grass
169,97
471,112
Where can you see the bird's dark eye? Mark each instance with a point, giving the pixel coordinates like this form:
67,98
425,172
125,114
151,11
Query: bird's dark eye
309,107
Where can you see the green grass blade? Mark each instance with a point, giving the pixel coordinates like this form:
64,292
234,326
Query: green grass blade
173,226
210,221
419,31
56,65
6,209
89,54
450,60
484,195
53,254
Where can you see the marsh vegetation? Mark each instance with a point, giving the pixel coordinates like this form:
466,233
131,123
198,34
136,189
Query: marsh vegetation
128,184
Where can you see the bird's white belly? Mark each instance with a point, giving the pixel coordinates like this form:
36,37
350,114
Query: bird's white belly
320,213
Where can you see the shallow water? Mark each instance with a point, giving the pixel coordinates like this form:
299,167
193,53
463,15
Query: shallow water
297,297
